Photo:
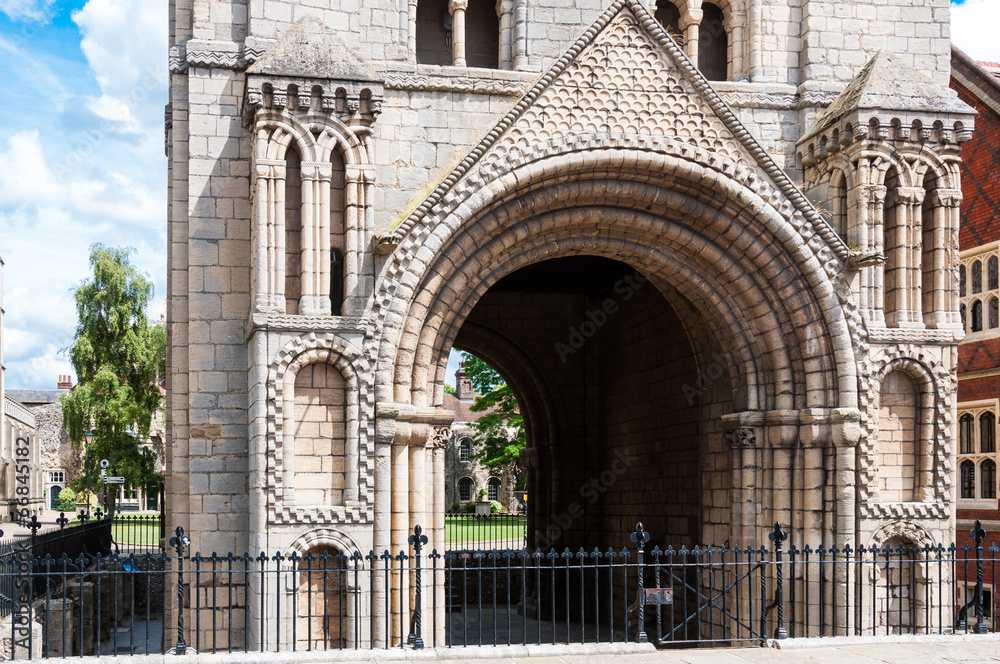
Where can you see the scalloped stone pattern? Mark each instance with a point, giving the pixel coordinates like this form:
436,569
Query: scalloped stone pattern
623,83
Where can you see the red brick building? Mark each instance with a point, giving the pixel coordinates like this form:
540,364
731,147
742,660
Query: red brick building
978,84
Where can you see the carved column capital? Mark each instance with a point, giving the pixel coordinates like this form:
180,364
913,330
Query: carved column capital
317,170
946,197
910,195
870,193
741,437
457,5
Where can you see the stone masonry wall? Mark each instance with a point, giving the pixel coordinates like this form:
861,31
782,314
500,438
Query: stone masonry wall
897,437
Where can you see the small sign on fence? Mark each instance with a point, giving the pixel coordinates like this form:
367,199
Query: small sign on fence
659,596
114,480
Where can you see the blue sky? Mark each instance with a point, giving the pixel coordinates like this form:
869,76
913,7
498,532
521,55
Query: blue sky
81,156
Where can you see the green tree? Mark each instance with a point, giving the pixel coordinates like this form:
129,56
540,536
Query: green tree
499,436
115,354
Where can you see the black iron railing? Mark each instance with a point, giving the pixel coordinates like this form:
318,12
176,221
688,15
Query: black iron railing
326,599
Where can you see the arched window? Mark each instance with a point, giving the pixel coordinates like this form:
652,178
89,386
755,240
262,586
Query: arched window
493,489
465,489
977,277
993,313
966,434
293,230
669,17
464,449
338,185
713,44
977,316
322,610
961,281
482,35
320,433
898,418
987,432
988,479
968,471
992,278
895,250
433,33
961,311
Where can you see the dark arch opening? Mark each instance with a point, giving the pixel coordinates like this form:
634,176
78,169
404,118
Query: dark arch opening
482,35
622,371
670,18
433,33
713,44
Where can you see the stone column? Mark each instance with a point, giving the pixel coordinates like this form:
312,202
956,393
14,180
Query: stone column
411,33
866,234
268,230
690,24
903,241
385,433
354,229
940,302
743,433
315,299
733,23
457,9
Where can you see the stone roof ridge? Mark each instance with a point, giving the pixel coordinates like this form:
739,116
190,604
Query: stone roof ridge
309,49
702,87
888,83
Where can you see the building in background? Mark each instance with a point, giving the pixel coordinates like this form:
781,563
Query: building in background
464,474
978,84
17,423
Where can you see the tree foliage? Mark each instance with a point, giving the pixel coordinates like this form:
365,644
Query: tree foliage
116,356
499,435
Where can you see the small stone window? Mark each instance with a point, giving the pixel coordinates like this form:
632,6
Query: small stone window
968,480
977,277
987,433
464,449
977,316
988,479
992,278
966,434
993,314
961,281
493,489
465,489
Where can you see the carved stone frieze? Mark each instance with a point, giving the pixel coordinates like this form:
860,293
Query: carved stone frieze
742,437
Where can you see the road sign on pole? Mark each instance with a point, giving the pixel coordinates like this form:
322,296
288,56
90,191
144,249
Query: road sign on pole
114,480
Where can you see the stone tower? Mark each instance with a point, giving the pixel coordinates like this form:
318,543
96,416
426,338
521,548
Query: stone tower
711,246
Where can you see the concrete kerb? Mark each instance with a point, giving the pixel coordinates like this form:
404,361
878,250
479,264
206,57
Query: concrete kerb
387,655
842,641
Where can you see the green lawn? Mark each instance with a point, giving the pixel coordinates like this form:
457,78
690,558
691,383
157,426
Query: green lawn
464,529
136,532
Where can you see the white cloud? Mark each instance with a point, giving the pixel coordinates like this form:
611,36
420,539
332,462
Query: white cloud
125,42
974,26
27,10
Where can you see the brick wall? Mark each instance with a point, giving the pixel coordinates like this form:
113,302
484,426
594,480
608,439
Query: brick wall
980,177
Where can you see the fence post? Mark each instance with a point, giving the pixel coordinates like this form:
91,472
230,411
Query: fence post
180,542
62,521
778,536
417,541
640,537
979,534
